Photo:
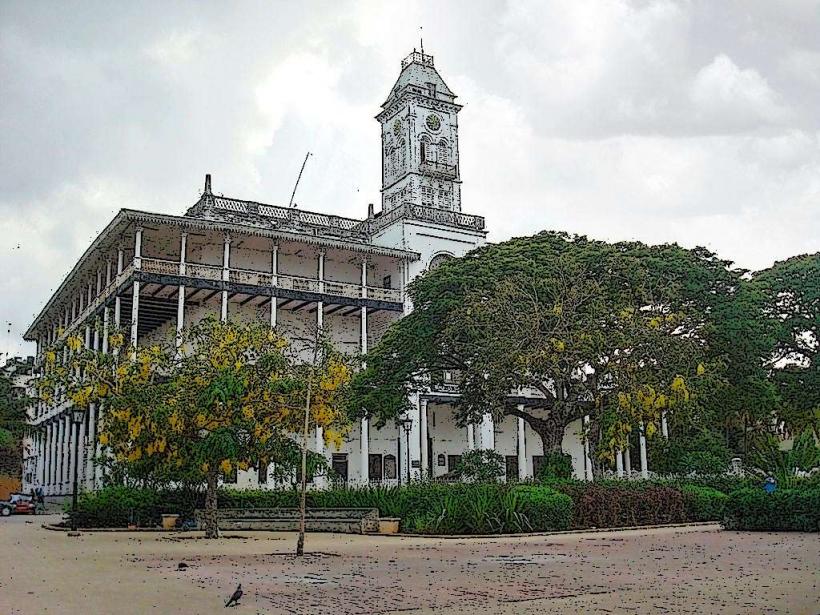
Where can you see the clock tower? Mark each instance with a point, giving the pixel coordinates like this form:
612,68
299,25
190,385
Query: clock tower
420,164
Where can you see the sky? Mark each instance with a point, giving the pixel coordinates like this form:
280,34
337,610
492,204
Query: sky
695,122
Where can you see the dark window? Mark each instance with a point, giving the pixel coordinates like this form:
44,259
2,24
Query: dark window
452,462
537,462
511,464
339,464
387,282
441,460
390,466
374,467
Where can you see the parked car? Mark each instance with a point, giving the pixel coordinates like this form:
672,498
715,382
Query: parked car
17,504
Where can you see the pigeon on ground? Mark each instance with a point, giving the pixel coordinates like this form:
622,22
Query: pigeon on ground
182,566
234,599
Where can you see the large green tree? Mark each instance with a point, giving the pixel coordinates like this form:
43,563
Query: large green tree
789,293
615,330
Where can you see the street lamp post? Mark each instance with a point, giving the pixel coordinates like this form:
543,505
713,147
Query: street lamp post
77,415
407,424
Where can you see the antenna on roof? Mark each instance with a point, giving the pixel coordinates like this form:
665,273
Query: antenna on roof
298,178
207,184
421,40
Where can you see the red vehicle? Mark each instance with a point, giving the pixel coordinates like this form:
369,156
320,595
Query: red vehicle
17,504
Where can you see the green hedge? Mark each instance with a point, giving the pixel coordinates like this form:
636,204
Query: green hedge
425,508
704,503
783,510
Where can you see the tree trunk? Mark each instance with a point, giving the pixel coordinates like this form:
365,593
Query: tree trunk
210,516
593,440
551,433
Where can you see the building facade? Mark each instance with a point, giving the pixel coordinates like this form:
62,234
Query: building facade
152,274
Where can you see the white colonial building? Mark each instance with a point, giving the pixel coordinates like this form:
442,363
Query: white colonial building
153,273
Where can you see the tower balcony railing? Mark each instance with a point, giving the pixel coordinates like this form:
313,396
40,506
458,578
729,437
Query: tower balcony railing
439,169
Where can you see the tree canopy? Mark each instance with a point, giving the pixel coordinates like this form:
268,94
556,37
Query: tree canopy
594,328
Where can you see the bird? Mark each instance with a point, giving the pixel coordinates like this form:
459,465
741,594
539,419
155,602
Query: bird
234,599
182,566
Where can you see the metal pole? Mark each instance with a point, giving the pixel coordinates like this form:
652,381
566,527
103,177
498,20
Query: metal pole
74,497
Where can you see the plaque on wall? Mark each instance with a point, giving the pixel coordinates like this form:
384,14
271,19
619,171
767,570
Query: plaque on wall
415,463
441,460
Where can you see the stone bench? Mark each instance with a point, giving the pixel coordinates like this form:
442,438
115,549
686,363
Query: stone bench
340,520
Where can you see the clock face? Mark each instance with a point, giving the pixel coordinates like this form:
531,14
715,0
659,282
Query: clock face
433,123
397,127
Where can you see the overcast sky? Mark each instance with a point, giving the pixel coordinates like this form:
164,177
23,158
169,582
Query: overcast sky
694,122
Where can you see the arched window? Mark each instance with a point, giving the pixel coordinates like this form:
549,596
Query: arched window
425,150
443,152
438,259
402,154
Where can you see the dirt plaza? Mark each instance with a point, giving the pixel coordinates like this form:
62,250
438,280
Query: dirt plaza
671,570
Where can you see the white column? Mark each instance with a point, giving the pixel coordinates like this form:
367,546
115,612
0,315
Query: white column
99,281
644,468
364,449
66,454
117,300
104,341
664,426
274,277
135,312
87,338
364,442
138,248
320,481
423,438
52,457
619,463
487,430
183,248
470,437
320,307
628,461
412,442
91,448
226,274
522,447
587,459
47,458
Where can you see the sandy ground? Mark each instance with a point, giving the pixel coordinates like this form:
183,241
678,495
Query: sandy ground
680,570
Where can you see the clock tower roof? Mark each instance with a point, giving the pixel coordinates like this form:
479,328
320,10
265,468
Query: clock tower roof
419,75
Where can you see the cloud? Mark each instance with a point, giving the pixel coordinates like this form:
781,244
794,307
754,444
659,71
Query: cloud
728,98
655,120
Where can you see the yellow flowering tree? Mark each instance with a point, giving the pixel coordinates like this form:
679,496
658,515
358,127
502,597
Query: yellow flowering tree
230,399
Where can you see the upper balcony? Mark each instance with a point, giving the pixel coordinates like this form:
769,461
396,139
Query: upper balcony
268,279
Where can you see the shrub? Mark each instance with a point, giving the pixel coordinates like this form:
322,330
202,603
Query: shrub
783,510
543,508
704,503
555,466
623,504
480,466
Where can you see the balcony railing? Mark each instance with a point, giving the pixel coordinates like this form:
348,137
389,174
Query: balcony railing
438,169
240,276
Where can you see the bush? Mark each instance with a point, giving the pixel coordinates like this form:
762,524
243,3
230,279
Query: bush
704,503
480,466
543,508
555,466
783,510
623,504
